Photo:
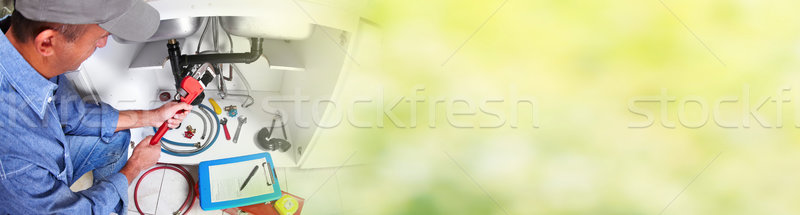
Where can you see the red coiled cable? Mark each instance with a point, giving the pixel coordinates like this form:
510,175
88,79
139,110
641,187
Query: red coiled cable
189,180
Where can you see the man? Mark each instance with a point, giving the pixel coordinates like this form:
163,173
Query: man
49,137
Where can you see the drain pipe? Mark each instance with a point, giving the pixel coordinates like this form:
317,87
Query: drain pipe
255,52
180,62
174,50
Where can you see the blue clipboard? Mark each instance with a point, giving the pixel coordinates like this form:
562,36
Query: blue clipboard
237,181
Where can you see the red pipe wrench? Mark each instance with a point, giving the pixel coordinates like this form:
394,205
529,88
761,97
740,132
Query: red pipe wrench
191,88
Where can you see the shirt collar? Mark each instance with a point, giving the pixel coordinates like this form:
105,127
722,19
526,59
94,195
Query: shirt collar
36,90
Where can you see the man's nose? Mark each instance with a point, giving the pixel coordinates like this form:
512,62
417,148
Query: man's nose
102,42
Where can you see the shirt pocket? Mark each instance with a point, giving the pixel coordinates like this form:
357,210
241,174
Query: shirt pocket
10,167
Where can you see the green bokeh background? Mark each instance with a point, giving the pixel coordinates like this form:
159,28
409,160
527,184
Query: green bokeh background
583,62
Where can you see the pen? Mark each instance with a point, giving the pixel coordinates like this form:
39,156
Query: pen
253,172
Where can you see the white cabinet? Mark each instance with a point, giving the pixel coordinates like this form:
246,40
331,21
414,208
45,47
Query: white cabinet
333,145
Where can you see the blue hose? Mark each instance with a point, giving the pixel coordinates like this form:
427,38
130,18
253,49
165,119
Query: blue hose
191,144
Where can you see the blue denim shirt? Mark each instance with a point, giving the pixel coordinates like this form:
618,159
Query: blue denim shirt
35,165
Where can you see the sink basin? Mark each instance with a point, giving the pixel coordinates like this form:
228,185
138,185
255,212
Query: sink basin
267,27
174,28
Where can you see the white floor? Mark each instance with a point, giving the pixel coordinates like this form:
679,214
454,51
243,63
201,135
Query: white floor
162,192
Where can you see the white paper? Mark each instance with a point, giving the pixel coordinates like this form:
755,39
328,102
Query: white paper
226,179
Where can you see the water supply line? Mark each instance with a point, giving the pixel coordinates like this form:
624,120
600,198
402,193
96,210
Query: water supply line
223,92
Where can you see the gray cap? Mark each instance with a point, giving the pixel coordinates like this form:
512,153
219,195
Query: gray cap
132,20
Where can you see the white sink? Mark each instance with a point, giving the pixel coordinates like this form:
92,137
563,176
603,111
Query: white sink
174,29
267,27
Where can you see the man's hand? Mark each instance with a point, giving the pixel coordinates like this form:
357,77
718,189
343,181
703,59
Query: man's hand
140,118
167,112
144,156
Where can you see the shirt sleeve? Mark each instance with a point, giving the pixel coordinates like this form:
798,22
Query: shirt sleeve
82,118
37,191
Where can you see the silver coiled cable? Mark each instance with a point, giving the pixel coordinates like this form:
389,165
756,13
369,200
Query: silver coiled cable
213,128
205,124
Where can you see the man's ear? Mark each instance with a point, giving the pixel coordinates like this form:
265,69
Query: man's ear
44,42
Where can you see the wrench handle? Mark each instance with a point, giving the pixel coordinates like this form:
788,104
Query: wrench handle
162,130
159,134
227,135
